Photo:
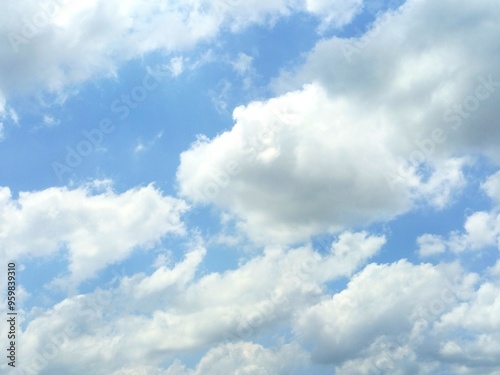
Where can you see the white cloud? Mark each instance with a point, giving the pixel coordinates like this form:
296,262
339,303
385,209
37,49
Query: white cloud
97,37
248,358
387,127
390,318
243,63
97,229
481,228
177,65
473,331
310,160
492,187
429,244
49,121
294,166
59,43
415,75
149,319
334,13
479,314
220,96
384,356
6,114
242,358
446,181
386,319
141,146
372,305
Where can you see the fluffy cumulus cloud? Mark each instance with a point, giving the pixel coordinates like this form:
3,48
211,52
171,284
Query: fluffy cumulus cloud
472,332
430,319
492,187
427,72
429,244
481,229
382,130
97,229
425,310
365,129
248,358
244,358
56,44
146,319
342,326
304,163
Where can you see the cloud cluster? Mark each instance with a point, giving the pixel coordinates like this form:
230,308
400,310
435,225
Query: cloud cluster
362,137
391,317
56,44
148,319
364,130
97,229
305,163
243,358
481,228
422,68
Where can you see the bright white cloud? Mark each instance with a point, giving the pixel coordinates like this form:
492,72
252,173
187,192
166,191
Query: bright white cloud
382,321
149,316
432,85
58,43
445,182
372,305
335,13
248,358
366,129
242,358
481,229
492,187
305,163
96,229
429,244
473,330
294,165
388,317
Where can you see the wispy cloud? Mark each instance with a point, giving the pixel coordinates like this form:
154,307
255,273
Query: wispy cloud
143,147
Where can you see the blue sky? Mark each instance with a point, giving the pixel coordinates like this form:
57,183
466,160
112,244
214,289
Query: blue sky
263,187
